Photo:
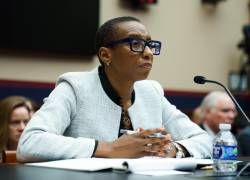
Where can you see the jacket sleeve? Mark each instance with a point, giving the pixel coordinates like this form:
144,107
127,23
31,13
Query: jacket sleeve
43,139
183,131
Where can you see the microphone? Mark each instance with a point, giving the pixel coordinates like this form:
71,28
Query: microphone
203,80
199,79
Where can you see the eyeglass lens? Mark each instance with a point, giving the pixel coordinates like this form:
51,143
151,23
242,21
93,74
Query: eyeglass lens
138,45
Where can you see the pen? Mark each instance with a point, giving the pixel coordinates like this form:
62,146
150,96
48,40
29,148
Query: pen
154,135
126,131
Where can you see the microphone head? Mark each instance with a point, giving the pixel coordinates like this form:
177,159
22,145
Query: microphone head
199,79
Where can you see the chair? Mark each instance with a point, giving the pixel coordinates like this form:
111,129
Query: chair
9,156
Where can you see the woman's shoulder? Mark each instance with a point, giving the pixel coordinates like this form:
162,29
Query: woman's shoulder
150,85
78,77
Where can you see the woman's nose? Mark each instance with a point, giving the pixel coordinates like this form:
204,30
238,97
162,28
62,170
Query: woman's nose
147,53
22,126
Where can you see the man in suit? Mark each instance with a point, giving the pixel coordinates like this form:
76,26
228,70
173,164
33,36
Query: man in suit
216,108
243,142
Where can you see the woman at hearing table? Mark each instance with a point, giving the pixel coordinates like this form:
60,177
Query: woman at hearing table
83,115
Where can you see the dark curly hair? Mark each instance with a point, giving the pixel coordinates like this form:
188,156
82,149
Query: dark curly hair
107,32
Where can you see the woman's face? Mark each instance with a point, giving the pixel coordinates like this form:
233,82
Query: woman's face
126,64
19,119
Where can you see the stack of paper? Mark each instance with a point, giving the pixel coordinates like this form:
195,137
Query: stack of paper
146,165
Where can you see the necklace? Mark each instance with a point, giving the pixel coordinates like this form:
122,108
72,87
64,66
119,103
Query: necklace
126,122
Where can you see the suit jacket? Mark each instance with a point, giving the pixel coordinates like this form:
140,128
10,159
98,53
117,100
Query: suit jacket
243,139
78,112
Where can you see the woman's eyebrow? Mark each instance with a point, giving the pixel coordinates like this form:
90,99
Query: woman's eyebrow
139,36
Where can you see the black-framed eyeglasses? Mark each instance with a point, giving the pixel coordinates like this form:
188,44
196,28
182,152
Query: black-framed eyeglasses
138,45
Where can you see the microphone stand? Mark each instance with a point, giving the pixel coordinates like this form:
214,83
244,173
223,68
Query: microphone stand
238,106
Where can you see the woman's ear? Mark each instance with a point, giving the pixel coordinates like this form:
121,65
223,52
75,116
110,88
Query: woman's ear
105,55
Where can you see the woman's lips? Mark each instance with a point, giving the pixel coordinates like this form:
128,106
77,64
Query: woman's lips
146,65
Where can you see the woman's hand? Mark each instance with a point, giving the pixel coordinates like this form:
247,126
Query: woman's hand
135,145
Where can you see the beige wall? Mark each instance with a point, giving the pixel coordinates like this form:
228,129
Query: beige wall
195,41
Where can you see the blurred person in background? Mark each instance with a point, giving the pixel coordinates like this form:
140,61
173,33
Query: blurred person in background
196,116
33,106
216,108
243,139
14,116
242,131
239,124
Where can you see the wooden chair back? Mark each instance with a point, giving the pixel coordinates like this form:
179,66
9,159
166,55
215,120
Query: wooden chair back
9,156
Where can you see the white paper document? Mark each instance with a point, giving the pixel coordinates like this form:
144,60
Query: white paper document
145,165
